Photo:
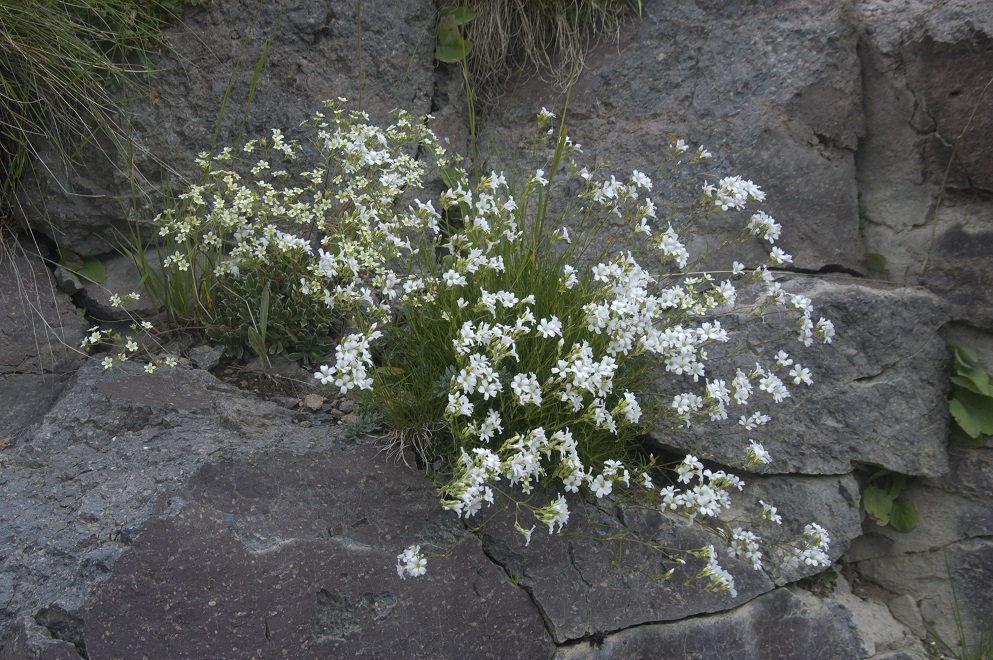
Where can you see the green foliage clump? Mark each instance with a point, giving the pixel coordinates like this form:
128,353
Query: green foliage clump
509,37
59,62
883,504
971,403
263,310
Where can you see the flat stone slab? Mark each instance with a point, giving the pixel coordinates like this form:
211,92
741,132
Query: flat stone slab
283,555
148,509
781,624
879,393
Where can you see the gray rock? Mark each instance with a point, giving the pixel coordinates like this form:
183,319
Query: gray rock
879,395
316,54
294,555
924,70
40,334
206,357
31,641
783,624
832,502
904,609
603,574
121,279
772,90
130,471
927,577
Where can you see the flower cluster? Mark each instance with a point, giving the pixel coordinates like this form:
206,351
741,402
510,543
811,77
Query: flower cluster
485,322
411,562
128,345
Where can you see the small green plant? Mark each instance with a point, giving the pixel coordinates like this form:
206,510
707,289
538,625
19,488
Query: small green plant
882,502
263,310
453,47
89,268
975,634
368,422
971,402
550,37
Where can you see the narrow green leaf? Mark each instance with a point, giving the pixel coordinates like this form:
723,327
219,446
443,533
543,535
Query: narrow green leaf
963,354
257,344
980,379
264,311
903,517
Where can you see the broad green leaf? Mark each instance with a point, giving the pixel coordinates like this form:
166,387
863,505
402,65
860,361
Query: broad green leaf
882,472
876,261
452,54
962,417
452,177
878,504
979,408
903,517
93,270
448,32
88,268
897,484
461,15
452,48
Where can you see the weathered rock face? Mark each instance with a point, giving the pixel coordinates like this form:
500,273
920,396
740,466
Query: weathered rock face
928,110
317,52
772,89
137,509
39,337
873,382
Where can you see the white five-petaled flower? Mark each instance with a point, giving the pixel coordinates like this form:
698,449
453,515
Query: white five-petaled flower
411,562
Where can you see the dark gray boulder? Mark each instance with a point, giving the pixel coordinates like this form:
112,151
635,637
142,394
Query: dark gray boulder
879,394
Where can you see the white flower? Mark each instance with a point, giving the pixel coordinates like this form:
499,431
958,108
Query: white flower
778,257
453,278
107,362
769,514
556,513
601,486
801,375
411,562
550,327
325,375
641,180
757,453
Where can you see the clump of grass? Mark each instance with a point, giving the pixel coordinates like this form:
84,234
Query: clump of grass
60,64
547,37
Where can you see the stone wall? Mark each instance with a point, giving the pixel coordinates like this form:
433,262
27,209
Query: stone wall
181,517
